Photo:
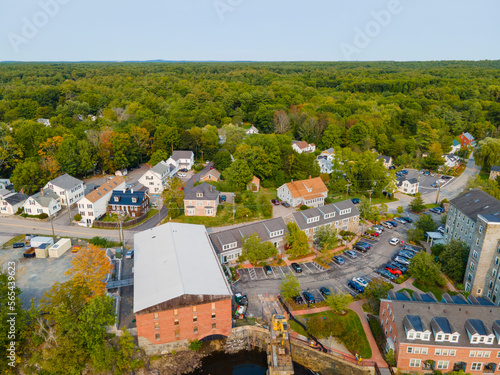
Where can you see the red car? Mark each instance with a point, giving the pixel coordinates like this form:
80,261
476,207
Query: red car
275,202
393,270
373,234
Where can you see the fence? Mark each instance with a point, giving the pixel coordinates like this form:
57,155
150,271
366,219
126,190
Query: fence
116,224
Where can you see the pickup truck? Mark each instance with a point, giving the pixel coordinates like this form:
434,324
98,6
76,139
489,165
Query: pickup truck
30,253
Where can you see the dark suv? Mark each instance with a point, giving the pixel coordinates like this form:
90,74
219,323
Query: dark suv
296,267
309,297
354,285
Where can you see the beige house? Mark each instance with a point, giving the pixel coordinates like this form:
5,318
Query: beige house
254,185
211,175
202,200
311,192
494,172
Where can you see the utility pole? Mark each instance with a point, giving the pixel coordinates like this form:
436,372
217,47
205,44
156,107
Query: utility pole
234,209
370,193
69,207
159,210
52,225
347,192
437,196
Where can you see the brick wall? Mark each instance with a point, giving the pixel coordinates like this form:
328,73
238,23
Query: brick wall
167,327
200,210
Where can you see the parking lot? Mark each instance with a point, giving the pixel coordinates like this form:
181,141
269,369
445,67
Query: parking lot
255,281
426,182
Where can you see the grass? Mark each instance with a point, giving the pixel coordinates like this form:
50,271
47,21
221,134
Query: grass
378,200
13,240
350,321
434,289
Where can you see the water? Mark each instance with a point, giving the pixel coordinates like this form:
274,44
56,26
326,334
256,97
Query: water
245,362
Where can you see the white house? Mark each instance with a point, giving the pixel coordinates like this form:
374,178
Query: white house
94,205
45,201
157,177
252,130
329,153
10,201
408,186
44,121
67,188
455,147
451,161
311,192
4,183
386,160
182,159
325,165
303,147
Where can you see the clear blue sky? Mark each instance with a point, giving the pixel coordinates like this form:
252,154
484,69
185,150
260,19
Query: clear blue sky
259,30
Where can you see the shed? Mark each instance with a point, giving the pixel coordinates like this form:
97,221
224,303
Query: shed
39,240
58,249
43,250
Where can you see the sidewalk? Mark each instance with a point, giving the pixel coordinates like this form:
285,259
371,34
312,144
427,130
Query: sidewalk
376,356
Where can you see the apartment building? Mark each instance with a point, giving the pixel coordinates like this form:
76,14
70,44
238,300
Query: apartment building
202,200
451,335
474,218
180,290
68,188
157,177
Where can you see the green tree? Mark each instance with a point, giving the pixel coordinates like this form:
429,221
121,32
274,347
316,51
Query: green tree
487,153
158,156
375,291
417,204
453,259
339,302
367,211
254,250
425,270
298,244
238,175
173,197
29,176
124,355
327,237
426,224
289,287
400,210
222,160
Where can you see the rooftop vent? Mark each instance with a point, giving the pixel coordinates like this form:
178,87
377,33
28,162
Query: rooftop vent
477,200
467,194
485,207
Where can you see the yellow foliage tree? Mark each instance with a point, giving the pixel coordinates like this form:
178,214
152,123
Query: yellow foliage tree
89,269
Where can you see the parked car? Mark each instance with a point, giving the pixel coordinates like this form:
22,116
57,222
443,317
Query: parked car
399,220
393,223
18,245
309,298
386,224
338,260
407,219
360,281
298,300
296,268
426,173
400,267
358,246
446,177
406,254
440,209
394,241
354,285
367,245
436,210
285,204
402,260
404,171
392,269
223,198
391,167
130,254
350,254
371,234
355,200
268,270
386,274
441,229
411,248
275,202
325,291
377,229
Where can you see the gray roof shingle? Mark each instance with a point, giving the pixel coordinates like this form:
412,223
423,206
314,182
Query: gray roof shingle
475,202
300,217
66,182
209,193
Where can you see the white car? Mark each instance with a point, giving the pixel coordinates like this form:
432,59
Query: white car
394,241
360,281
375,229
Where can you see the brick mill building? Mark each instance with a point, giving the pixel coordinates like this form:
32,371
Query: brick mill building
180,291
452,335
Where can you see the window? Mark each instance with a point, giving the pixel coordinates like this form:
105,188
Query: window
411,336
439,338
480,229
477,242
442,364
446,337
176,312
424,350
176,322
474,254
195,319
414,362
157,325
156,315
157,336
177,333
454,338
427,336
195,330
213,315
213,305
476,366
214,325
437,352
453,353
472,266
409,349
445,352
474,339
418,335
194,309
498,354
416,351
199,195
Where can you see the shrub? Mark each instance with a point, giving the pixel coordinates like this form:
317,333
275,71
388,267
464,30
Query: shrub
43,215
303,207
195,345
20,210
77,217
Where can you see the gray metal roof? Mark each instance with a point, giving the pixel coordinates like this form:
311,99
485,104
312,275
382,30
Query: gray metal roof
477,326
209,192
45,199
475,202
162,167
414,322
66,182
441,324
16,198
172,260
495,168
262,228
300,216
176,155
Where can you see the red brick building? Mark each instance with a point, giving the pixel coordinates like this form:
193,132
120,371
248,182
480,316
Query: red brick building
452,335
180,291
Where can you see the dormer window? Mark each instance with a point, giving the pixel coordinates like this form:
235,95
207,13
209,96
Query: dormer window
117,199
134,200
331,214
312,219
276,233
229,246
199,195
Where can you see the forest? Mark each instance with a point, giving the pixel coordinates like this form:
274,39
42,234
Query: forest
108,116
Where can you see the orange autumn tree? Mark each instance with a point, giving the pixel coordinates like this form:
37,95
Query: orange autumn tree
89,269
48,151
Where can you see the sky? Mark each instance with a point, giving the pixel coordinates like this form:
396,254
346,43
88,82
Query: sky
249,30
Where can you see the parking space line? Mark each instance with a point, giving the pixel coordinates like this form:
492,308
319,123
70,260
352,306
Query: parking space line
305,265
272,269
281,269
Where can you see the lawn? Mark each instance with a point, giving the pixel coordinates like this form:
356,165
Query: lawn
12,241
350,321
374,200
434,289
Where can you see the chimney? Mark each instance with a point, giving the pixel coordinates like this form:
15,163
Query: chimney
132,190
43,193
211,187
22,190
310,177
292,181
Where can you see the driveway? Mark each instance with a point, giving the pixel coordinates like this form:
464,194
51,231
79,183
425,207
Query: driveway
457,186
